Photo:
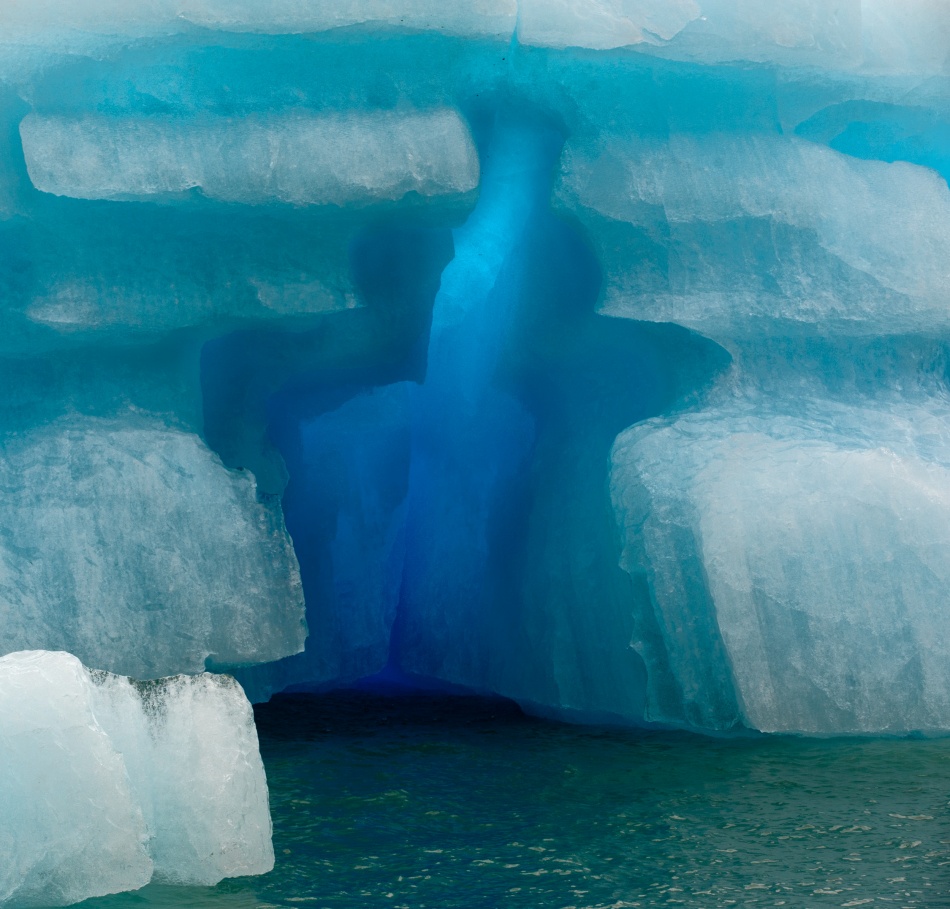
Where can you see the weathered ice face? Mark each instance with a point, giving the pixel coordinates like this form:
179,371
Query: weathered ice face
591,353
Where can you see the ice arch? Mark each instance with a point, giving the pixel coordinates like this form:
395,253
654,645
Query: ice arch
720,189
450,509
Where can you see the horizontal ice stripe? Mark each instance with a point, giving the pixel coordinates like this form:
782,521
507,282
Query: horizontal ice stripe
300,159
150,17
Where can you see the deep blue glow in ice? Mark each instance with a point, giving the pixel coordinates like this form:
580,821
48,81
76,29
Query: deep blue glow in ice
470,437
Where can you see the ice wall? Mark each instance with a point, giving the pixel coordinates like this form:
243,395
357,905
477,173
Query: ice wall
589,353
768,525
812,539
109,783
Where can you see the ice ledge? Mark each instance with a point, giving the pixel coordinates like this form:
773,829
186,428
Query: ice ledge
154,555
879,35
297,159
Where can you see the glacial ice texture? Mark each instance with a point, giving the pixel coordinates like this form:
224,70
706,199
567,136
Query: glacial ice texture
109,783
298,160
132,547
814,542
591,353
766,235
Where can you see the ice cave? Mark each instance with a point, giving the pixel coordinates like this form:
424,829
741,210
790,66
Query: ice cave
588,354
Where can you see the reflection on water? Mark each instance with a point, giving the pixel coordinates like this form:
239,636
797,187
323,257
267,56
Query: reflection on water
444,802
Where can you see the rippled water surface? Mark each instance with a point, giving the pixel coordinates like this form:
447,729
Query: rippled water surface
440,802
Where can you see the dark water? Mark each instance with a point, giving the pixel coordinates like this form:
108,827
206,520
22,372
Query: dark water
441,802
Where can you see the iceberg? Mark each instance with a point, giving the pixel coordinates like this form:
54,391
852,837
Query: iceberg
592,353
100,776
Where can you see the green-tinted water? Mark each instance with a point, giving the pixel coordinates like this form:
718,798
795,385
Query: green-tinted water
438,802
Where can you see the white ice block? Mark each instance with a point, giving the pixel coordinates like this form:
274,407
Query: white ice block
758,234
108,782
297,159
70,824
803,555
133,547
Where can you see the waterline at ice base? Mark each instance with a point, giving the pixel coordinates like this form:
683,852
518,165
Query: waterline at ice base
584,359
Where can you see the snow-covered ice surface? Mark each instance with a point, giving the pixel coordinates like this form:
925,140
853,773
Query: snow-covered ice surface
109,783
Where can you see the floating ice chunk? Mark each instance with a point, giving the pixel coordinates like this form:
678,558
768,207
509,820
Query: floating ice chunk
133,547
726,234
300,159
72,826
190,747
804,557
602,24
107,781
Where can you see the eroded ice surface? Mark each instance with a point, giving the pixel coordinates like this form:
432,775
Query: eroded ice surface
110,17
133,547
763,234
109,783
602,24
298,160
810,545
878,35
73,827
406,274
